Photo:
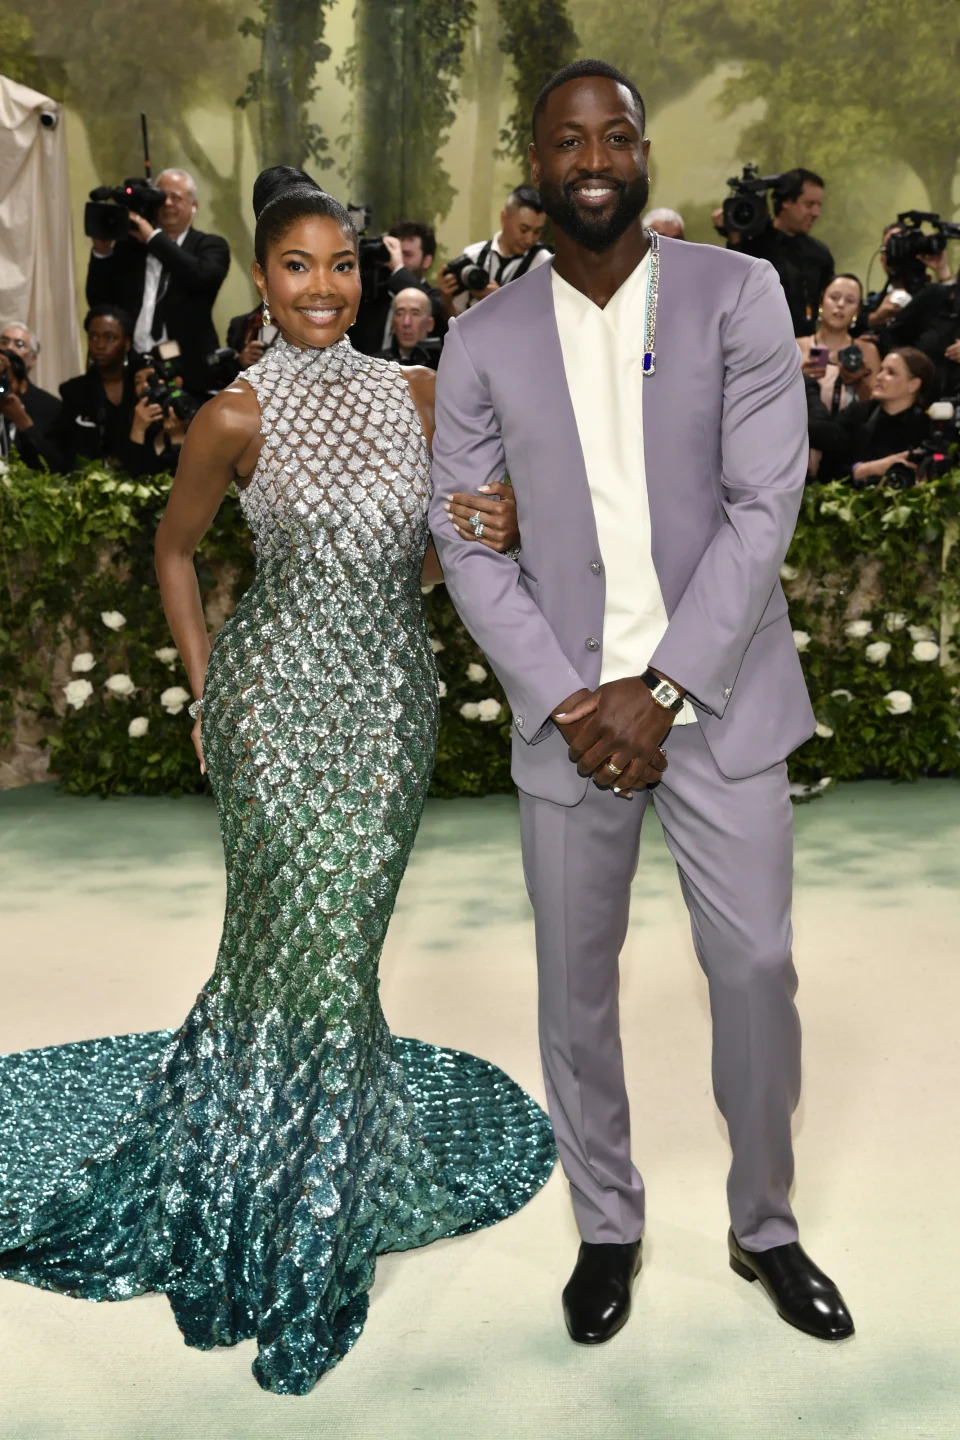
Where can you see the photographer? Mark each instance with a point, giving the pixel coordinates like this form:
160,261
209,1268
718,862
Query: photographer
906,278
167,275
931,323
870,436
805,265
160,421
410,246
98,405
665,222
29,416
513,251
412,326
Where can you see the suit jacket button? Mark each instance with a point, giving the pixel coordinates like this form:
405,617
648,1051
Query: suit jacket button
519,721
595,567
592,643
727,693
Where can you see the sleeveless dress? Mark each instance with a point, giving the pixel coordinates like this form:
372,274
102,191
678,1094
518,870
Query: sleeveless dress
252,1164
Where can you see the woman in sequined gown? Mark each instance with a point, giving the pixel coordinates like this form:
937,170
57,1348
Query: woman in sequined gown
253,1164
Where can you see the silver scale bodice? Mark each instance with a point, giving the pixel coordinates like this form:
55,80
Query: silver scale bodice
344,458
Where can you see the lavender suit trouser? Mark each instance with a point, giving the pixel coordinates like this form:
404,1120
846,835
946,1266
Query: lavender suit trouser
732,841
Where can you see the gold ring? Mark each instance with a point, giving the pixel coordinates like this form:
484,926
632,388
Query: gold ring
613,769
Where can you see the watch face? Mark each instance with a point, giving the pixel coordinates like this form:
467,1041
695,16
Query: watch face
665,694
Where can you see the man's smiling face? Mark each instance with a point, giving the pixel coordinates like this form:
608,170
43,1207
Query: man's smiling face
589,160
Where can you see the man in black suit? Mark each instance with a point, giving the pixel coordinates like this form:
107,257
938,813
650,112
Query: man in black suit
167,276
29,416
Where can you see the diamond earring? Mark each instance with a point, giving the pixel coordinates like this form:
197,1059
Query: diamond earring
267,318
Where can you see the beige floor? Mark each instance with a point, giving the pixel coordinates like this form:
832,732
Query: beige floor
110,916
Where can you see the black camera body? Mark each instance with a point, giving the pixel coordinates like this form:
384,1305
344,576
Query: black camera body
15,371
905,246
935,456
745,208
163,388
850,358
469,275
372,254
107,214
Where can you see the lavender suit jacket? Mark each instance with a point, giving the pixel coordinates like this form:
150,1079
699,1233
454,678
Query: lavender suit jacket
725,448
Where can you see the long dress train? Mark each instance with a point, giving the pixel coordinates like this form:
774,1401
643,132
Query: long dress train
252,1164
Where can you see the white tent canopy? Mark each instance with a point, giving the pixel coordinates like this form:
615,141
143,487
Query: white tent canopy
36,249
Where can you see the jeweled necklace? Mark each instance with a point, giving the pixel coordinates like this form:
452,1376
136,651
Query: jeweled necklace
650,318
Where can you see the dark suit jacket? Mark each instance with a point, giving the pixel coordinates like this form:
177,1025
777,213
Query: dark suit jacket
92,428
193,274
41,443
930,322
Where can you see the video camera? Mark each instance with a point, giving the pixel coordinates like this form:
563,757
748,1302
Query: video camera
163,388
904,247
935,456
372,254
745,209
469,275
107,213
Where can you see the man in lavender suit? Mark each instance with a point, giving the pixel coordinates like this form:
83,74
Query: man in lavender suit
645,398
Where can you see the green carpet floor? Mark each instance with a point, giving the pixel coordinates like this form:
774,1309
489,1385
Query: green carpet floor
110,915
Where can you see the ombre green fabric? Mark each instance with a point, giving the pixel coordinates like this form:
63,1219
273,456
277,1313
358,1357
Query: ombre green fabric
252,1164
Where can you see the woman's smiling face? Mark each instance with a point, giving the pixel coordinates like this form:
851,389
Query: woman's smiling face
311,282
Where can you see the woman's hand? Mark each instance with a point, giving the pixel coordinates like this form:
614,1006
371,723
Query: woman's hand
198,743
816,369
498,516
145,414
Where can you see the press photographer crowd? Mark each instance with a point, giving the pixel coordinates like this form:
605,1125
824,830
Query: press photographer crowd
881,369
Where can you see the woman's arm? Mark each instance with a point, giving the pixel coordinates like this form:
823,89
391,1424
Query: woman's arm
222,444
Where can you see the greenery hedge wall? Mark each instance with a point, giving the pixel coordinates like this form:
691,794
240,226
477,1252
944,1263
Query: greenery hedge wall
87,667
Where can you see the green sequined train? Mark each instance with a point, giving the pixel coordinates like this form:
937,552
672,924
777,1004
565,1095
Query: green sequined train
252,1164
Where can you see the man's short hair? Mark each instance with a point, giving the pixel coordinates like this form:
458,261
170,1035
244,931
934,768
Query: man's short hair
525,197
579,70
665,215
415,230
21,325
790,186
191,183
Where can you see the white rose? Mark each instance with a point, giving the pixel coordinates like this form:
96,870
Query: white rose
824,731
925,650
801,639
113,619
489,710
174,699
788,572
83,662
858,629
877,652
138,727
842,694
470,711
78,692
441,688
898,702
436,645
169,655
894,621
476,673
920,632
120,685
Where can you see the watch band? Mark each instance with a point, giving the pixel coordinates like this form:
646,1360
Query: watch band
665,695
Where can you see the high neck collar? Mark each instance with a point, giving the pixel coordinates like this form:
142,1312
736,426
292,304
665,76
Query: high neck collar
336,359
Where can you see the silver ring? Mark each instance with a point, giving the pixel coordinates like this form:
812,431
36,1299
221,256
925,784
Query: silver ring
478,531
476,522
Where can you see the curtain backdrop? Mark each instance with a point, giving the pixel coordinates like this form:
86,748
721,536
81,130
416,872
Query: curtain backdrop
36,249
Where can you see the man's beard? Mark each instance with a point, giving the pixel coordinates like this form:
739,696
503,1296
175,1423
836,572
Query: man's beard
595,232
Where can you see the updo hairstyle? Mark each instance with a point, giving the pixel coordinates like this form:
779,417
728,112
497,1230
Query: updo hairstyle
281,197
919,367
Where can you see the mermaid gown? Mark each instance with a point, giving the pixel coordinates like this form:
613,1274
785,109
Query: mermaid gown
252,1164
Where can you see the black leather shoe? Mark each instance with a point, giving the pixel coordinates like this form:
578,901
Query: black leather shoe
596,1301
803,1295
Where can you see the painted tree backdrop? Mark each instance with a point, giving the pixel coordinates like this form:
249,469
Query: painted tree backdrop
419,107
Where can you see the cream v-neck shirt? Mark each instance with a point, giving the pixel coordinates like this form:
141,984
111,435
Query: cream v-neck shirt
603,359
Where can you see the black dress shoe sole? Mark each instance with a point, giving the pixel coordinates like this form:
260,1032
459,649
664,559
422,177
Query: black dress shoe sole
746,1273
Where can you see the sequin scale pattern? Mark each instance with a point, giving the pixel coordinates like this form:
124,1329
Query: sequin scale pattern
252,1164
